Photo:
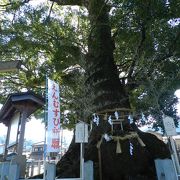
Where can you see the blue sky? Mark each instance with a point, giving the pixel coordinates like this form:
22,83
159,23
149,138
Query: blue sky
35,131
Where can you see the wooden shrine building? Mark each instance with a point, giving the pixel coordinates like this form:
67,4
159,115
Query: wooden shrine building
14,113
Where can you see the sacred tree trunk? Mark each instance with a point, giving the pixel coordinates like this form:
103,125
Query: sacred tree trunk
103,81
119,151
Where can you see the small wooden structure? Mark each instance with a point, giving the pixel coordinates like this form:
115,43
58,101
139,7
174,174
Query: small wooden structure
14,113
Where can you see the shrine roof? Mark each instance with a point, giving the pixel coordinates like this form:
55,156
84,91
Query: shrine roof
23,99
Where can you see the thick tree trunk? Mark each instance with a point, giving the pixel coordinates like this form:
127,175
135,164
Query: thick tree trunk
103,81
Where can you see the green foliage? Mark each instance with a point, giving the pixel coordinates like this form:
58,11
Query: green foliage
146,53
46,45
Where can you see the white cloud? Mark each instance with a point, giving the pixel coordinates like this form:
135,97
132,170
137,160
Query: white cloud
67,135
177,93
3,129
35,130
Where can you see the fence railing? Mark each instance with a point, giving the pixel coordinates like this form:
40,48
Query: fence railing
12,171
34,168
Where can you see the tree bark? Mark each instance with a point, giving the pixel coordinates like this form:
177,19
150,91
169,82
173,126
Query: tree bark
102,76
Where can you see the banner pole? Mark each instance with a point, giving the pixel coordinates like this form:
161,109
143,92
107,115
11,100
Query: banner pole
45,124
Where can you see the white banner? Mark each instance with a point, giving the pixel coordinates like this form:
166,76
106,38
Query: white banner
53,127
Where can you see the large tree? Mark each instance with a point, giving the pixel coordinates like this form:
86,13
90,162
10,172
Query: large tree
132,48
108,93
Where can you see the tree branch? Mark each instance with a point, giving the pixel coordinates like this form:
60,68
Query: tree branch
138,50
50,10
71,2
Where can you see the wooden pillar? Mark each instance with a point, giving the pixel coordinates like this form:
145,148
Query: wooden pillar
22,132
7,142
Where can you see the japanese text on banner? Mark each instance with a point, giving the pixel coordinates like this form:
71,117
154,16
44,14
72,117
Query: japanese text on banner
53,128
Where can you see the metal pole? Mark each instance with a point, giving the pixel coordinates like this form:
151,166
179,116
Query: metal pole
45,154
45,119
175,157
82,162
174,165
22,132
100,163
61,141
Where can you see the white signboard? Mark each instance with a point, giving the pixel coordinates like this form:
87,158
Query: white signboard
81,133
14,128
169,126
53,127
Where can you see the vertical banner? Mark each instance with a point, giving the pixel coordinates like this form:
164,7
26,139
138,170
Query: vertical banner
53,117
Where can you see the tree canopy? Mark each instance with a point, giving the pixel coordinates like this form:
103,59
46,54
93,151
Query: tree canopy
53,39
